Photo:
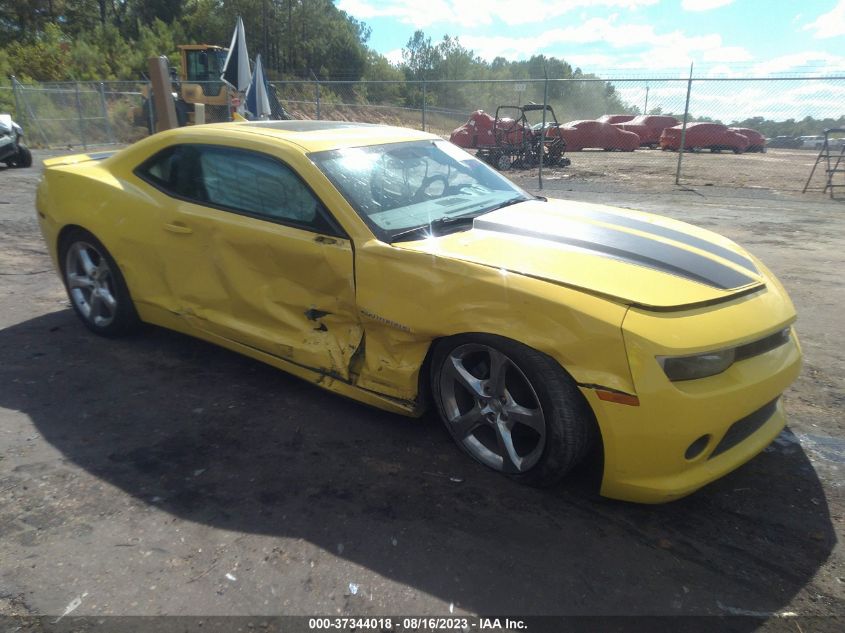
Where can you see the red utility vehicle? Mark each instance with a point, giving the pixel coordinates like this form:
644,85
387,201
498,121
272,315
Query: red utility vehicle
504,141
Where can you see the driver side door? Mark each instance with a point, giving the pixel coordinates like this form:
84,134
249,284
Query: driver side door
251,255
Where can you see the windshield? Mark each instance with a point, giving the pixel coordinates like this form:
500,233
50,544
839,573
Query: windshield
402,186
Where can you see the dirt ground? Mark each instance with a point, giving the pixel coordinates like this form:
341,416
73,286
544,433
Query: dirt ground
784,170
161,475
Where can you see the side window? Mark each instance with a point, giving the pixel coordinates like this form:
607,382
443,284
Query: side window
256,185
176,170
238,180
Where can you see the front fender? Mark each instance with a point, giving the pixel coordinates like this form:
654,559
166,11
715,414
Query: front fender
408,299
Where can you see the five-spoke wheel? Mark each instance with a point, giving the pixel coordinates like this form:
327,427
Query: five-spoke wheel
510,407
95,285
492,409
90,284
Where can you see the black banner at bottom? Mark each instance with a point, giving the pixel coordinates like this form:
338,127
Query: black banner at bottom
421,624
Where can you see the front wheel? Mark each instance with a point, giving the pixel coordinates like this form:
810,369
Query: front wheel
95,286
510,407
23,157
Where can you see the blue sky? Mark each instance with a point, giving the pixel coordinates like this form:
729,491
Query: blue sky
626,37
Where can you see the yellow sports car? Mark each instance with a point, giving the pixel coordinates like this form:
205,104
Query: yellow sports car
389,266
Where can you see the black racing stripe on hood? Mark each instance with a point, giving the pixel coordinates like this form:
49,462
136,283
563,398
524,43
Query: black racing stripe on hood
635,249
669,233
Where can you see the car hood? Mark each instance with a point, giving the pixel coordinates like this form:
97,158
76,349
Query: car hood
632,257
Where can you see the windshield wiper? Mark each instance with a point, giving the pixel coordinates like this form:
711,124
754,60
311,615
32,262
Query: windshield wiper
436,226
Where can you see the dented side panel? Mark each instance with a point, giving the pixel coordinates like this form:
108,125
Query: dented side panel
269,286
408,299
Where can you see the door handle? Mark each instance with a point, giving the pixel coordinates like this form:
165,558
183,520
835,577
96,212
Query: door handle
178,227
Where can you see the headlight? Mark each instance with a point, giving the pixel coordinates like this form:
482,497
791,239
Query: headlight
698,365
712,363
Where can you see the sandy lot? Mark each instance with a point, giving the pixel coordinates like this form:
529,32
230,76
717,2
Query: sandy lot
162,475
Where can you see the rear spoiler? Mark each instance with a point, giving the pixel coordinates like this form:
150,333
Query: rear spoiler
73,159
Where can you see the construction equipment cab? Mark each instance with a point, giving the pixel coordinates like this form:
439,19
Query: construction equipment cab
202,65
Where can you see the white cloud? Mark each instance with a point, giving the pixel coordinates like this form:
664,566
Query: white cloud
469,12
722,70
636,46
830,24
734,101
786,100
726,54
704,5
595,30
394,56
805,61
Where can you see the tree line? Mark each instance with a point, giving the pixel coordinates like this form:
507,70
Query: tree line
79,40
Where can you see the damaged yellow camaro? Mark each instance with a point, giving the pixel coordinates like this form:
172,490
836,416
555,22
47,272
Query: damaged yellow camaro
391,267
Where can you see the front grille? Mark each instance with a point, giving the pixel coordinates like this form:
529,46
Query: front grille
745,428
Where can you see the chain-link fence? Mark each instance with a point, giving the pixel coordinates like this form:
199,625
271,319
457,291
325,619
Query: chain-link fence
717,146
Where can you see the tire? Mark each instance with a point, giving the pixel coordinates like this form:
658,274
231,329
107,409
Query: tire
23,157
95,286
528,422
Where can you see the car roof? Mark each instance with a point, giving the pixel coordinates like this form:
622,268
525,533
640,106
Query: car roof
315,136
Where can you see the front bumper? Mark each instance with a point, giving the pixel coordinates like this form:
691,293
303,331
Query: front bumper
649,451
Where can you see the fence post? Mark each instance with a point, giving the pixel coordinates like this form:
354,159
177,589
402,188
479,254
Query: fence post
106,113
19,114
543,128
316,93
684,129
79,116
30,117
151,104
424,99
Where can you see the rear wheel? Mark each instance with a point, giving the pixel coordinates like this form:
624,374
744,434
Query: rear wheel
95,285
510,407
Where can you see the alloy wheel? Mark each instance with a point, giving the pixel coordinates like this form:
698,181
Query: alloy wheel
90,284
491,408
